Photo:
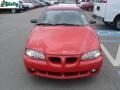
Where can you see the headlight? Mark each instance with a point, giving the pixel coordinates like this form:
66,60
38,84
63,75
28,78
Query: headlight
35,54
91,55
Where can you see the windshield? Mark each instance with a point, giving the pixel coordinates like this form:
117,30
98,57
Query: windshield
63,17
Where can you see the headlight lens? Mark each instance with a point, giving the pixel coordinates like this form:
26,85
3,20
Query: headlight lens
35,54
91,55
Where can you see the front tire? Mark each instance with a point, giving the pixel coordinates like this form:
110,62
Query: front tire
117,23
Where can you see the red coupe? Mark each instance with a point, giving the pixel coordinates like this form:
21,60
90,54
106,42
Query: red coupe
63,45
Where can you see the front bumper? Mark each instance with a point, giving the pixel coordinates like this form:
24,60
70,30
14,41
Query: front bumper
78,69
98,18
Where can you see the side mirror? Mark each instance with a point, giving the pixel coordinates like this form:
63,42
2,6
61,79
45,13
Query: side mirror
34,21
92,22
56,3
79,2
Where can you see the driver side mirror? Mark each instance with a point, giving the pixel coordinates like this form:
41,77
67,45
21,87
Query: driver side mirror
34,21
92,22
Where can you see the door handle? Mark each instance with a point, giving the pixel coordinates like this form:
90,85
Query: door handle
98,8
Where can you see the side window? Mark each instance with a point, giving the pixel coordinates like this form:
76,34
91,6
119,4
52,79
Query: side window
99,1
87,0
83,1
96,0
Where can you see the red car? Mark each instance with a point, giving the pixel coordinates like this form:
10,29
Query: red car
63,45
88,6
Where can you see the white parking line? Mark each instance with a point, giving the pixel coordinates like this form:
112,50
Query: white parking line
108,55
118,56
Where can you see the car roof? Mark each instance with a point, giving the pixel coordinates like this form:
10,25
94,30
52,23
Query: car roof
64,6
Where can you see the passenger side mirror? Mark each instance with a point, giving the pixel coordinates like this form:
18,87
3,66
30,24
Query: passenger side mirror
92,22
34,21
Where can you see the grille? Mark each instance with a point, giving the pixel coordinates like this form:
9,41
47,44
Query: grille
71,60
55,59
55,73
58,59
71,73
66,74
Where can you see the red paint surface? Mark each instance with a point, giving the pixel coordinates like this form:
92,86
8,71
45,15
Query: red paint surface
62,42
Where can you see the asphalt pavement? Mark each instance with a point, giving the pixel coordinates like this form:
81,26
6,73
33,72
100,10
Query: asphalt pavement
14,31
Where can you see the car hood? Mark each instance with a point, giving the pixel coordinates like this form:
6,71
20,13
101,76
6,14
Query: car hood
63,40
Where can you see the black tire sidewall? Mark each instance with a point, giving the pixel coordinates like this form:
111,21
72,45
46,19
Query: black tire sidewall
115,23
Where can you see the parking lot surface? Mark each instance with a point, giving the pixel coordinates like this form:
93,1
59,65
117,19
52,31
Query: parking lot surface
14,31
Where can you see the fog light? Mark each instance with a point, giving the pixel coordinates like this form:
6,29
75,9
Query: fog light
32,70
93,70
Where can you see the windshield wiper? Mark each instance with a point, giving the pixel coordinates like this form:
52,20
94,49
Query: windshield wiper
67,24
45,24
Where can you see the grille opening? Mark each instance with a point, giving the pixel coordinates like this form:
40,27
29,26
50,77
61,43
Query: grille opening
71,60
71,73
83,72
42,72
54,59
55,73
